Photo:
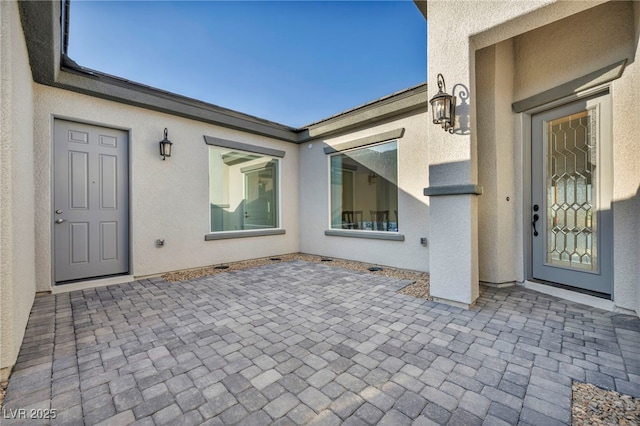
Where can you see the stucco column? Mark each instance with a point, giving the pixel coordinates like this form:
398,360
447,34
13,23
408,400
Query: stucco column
452,188
453,219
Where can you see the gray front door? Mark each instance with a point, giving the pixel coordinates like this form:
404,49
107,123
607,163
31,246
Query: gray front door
571,218
91,201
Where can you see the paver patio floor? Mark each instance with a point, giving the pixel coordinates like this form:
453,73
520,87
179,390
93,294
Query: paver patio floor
298,343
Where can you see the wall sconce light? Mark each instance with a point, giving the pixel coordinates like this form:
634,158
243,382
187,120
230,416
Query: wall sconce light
372,178
165,146
443,107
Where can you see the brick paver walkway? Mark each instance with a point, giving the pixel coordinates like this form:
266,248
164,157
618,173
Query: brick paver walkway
298,343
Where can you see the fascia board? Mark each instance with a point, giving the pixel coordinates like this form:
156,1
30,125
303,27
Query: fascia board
42,30
422,6
149,98
391,107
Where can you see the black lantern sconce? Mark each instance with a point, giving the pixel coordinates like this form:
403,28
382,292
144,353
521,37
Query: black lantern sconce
165,146
443,107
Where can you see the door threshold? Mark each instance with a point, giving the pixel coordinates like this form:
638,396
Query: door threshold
572,296
92,283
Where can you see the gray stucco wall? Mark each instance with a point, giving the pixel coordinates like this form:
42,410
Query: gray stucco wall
169,199
413,208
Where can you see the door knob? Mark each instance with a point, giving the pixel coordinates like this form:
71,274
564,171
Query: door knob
59,220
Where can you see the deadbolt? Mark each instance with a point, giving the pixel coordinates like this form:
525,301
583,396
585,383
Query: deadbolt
58,211
535,208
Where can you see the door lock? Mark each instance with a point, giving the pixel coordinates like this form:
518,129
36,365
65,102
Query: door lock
58,211
536,217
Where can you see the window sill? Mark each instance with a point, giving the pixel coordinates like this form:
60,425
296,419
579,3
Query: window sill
372,235
226,235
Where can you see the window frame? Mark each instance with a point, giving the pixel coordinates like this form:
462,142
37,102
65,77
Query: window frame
267,154
362,233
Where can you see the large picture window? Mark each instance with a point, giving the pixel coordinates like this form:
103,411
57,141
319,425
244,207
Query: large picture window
364,188
243,190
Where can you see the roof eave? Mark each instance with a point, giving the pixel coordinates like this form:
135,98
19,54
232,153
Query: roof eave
42,23
414,100
422,6
42,27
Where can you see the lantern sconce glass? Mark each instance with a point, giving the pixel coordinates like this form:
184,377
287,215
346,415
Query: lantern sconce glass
165,146
443,107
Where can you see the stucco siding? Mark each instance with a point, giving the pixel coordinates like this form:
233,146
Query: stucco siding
500,206
412,205
568,49
169,199
505,52
17,240
626,191
565,50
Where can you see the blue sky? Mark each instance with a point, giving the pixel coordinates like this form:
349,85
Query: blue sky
292,62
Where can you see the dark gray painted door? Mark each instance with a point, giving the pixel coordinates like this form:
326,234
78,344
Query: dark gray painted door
91,201
572,224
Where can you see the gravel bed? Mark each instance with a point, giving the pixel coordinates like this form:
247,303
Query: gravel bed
594,406
3,391
419,287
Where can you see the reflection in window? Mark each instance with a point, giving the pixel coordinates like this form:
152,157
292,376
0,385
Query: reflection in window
364,188
243,190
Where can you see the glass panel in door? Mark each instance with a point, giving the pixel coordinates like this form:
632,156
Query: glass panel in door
571,225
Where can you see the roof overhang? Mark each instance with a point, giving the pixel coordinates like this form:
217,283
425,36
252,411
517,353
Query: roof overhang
42,23
411,100
422,5
45,26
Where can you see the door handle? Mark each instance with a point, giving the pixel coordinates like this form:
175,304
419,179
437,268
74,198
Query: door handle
535,219
59,220
246,215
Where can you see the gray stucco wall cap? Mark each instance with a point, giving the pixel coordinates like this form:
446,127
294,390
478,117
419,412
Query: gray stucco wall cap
593,79
243,234
437,191
372,235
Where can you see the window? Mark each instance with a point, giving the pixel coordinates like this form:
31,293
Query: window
243,190
364,188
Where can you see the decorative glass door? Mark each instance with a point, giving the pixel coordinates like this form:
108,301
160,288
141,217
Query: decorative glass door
571,198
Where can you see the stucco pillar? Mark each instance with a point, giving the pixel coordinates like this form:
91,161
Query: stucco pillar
452,188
